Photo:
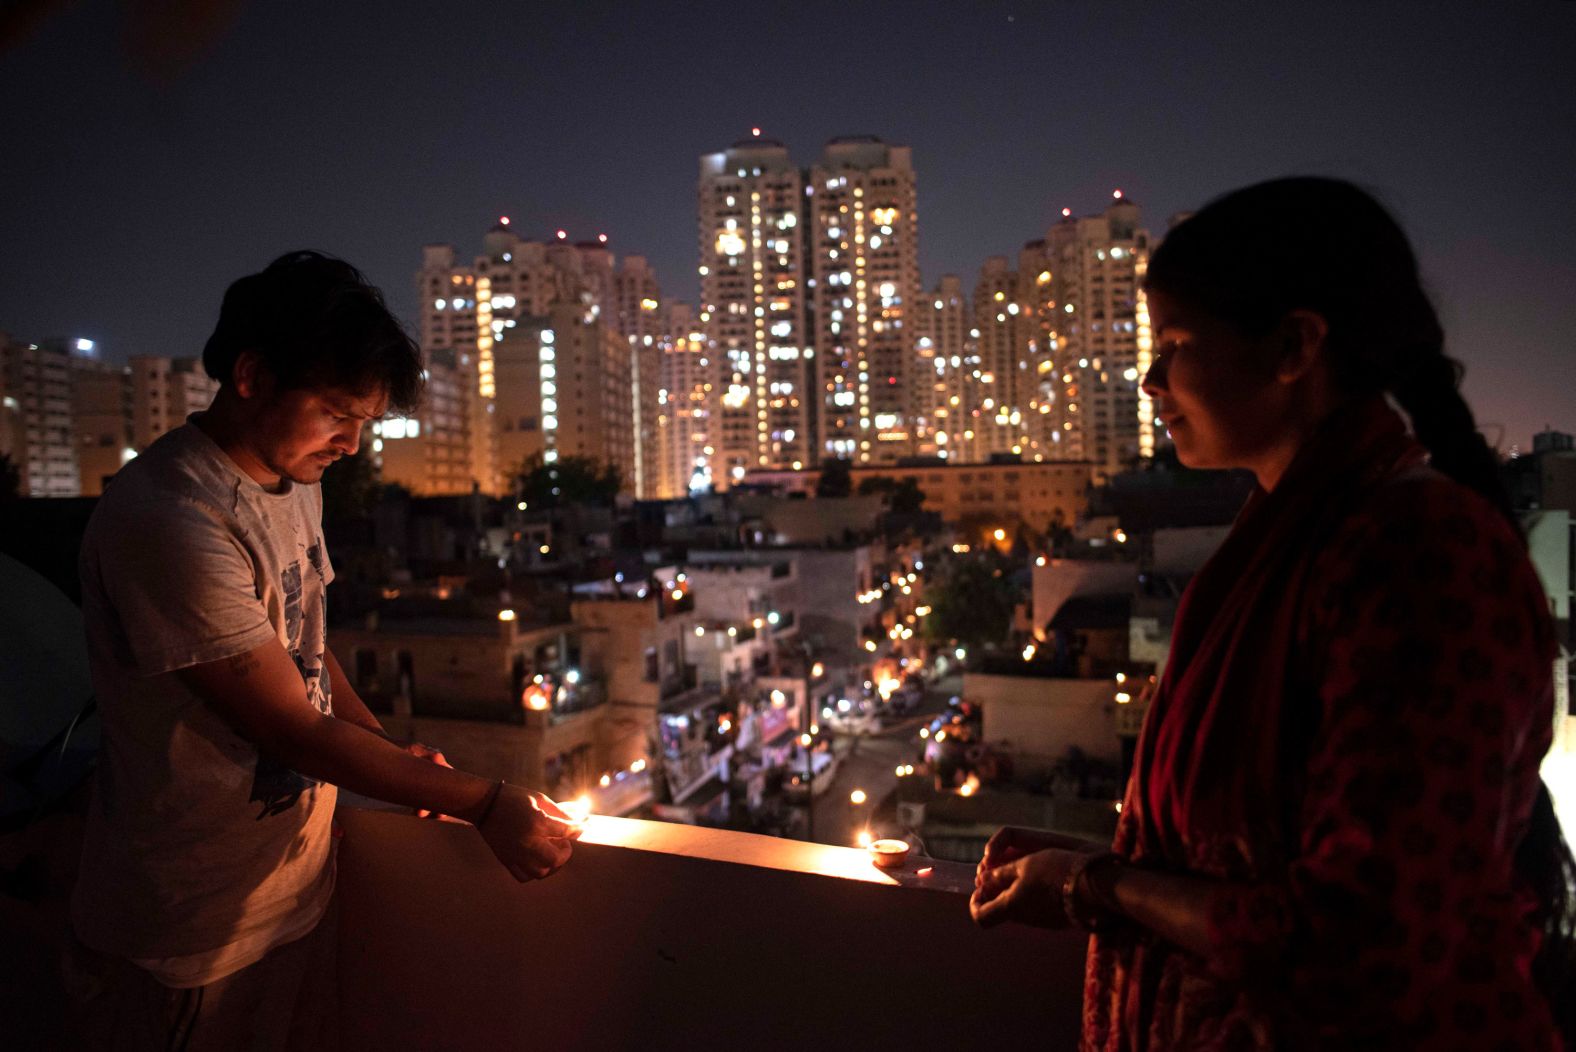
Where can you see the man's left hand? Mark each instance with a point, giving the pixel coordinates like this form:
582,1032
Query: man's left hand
1027,890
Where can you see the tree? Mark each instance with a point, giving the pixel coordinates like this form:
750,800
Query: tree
350,488
1022,538
972,602
835,480
876,484
904,497
569,480
1059,534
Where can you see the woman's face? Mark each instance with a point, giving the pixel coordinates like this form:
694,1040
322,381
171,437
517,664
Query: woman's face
1214,389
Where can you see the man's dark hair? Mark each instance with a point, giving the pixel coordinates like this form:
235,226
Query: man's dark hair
316,322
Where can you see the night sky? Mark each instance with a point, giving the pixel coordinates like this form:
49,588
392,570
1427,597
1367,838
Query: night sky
133,191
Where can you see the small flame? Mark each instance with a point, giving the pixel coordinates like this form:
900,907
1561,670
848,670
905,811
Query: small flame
864,838
970,786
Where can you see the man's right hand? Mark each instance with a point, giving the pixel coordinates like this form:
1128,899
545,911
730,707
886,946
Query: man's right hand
530,835
1011,843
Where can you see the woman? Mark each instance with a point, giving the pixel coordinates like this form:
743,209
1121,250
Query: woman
1335,835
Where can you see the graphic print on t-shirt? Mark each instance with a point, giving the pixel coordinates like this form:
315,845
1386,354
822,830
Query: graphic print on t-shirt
314,555
274,785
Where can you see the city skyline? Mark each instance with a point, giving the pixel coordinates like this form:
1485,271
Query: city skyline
148,197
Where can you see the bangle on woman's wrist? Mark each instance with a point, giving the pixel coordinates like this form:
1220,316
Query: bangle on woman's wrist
1084,909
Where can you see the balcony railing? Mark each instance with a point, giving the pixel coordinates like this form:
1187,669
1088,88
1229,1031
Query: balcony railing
655,936
677,684
672,936
579,697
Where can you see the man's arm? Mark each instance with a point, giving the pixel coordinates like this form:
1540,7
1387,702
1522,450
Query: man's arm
260,694
347,704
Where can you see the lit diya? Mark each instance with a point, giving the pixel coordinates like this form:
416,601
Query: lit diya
889,854
578,810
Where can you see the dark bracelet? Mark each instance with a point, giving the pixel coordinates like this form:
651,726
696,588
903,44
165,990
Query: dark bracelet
1081,908
492,798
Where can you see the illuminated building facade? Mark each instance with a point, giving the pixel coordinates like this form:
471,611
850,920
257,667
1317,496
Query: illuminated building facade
753,310
426,453
684,408
564,383
982,496
101,420
809,292
863,237
1103,344
70,420
642,321
164,392
943,381
458,439
35,383
436,459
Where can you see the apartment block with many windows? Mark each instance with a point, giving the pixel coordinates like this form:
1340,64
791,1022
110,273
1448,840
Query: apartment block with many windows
753,278
1103,344
863,248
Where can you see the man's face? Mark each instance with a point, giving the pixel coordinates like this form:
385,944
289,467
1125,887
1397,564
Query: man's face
298,434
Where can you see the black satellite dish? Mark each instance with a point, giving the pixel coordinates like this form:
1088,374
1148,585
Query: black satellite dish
49,730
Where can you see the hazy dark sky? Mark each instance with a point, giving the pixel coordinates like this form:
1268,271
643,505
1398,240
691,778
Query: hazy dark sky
129,201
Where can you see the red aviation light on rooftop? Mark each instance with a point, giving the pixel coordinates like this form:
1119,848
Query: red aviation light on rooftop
503,220
755,132
602,238
1116,194
563,235
1067,213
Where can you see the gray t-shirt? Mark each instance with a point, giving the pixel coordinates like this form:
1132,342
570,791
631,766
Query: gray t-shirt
194,840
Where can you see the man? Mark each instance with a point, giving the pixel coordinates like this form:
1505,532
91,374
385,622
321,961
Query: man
207,872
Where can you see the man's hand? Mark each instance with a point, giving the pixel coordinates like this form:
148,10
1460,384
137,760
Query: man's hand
1011,843
1027,890
529,833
